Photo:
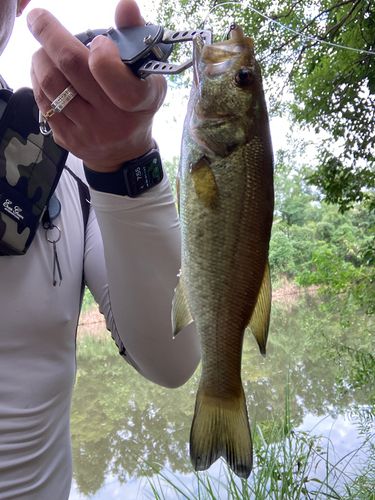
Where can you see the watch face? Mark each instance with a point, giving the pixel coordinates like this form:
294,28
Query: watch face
144,175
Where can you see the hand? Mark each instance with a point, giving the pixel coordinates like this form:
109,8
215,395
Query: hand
110,120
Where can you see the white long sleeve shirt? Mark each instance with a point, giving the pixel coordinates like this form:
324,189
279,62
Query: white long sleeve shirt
138,248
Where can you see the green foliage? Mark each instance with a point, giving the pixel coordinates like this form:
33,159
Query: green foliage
88,300
281,249
308,72
171,168
348,288
307,232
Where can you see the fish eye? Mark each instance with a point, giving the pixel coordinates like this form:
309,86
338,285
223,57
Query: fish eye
244,77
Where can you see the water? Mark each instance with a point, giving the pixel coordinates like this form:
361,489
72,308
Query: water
120,419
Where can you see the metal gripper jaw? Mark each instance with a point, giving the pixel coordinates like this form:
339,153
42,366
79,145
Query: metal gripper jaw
146,48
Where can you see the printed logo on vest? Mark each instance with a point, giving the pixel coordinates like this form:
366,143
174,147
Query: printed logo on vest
14,211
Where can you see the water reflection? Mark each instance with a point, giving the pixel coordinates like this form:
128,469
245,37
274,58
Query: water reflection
119,419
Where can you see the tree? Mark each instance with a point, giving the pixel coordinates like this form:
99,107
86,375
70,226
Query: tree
293,196
306,231
318,64
171,167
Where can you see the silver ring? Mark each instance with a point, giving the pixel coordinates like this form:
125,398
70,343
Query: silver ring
61,101
58,234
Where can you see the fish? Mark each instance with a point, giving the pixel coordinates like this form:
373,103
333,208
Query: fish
225,203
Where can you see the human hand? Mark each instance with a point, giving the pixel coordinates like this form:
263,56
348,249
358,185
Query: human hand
110,120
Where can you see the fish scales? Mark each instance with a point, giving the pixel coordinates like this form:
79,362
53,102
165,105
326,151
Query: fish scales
226,206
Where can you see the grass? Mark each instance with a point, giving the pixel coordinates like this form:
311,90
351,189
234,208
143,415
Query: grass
286,465
88,300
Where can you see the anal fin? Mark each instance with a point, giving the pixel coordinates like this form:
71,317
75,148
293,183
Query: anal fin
260,319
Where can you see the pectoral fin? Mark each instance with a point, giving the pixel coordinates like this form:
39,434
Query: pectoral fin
204,183
260,319
181,315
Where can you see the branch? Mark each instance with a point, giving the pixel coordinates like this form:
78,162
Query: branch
312,21
338,25
279,16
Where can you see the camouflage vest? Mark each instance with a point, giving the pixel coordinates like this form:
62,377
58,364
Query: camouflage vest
30,168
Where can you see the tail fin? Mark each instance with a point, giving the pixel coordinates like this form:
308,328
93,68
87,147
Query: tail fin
221,428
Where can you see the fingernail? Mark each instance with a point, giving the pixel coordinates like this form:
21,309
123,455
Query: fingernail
32,16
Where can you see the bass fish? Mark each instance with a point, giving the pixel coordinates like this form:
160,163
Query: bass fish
225,188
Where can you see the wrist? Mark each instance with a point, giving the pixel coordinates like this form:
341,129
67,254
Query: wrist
132,179
115,166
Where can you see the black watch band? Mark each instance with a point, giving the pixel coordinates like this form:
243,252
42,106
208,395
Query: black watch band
134,178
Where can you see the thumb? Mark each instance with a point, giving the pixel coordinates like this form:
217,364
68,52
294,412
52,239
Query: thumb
128,14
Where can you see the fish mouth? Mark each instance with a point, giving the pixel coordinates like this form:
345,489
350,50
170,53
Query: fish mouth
211,60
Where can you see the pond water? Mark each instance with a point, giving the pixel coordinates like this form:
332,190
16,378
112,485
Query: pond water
119,420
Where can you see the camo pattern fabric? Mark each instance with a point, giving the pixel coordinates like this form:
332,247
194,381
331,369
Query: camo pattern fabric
30,167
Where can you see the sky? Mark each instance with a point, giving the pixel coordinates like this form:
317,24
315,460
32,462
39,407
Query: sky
79,15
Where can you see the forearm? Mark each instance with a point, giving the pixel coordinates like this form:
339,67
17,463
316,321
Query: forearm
142,249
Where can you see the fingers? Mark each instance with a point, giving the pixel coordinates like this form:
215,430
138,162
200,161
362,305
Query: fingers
111,73
48,81
44,100
126,90
65,52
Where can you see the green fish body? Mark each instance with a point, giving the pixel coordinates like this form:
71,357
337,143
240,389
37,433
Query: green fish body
225,186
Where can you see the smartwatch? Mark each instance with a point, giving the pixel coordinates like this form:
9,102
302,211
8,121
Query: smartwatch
134,178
